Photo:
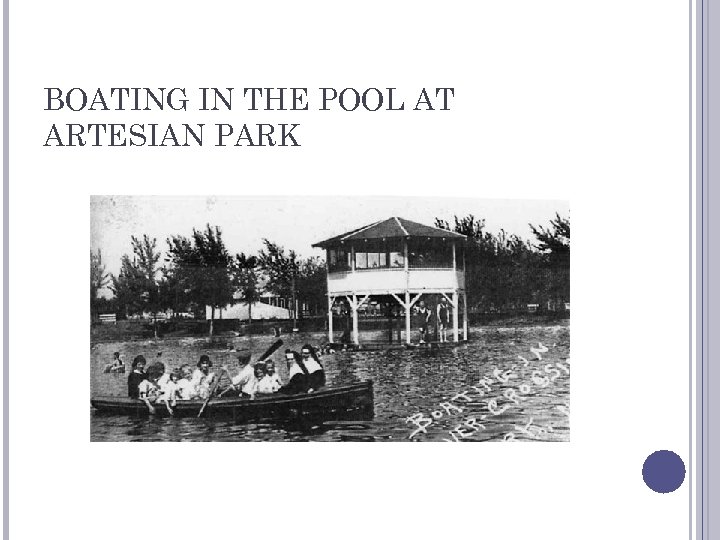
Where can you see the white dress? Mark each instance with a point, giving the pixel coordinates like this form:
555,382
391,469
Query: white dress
185,389
167,391
268,384
201,383
148,389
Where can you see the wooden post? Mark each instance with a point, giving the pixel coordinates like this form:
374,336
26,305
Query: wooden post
456,312
465,308
407,317
465,316
331,300
405,249
407,292
356,330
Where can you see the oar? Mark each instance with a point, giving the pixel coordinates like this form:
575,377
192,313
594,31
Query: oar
274,347
213,387
231,387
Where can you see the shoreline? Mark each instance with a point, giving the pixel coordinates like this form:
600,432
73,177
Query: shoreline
137,331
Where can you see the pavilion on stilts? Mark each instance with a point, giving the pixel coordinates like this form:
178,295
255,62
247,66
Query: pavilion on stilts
396,260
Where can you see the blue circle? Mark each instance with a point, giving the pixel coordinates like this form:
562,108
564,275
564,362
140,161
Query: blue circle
663,471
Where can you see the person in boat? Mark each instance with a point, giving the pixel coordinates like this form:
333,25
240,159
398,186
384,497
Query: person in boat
183,388
443,319
298,375
169,392
149,390
259,375
316,373
159,367
269,383
273,377
244,381
202,377
136,376
117,365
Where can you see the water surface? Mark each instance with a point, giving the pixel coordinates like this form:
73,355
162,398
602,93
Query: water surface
479,391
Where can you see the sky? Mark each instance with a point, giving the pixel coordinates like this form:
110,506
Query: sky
292,222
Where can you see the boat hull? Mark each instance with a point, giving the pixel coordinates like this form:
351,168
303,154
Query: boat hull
351,402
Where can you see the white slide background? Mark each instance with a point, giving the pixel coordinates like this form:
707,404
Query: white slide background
584,101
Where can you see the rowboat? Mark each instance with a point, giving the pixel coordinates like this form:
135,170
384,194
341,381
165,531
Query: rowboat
340,403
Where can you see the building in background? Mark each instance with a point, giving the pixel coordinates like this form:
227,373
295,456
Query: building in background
396,260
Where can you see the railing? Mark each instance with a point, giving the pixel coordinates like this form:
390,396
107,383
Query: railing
396,269
393,279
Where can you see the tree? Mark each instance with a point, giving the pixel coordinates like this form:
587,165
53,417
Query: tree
137,287
555,240
181,275
99,278
502,270
311,282
279,268
480,257
201,267
127,287
245,279
290,276
554,243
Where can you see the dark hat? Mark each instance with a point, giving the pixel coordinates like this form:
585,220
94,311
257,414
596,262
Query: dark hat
244,355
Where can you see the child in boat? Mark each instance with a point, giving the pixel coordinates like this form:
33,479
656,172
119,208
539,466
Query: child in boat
169,392
256,386
136,376
202,378
149,390
270,382
183,388
273,374
159,367
316,373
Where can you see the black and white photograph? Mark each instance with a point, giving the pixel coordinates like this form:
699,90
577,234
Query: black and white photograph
382,319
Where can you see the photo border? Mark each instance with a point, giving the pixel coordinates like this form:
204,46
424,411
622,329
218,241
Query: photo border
707,65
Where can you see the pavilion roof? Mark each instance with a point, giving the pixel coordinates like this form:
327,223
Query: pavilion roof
394,227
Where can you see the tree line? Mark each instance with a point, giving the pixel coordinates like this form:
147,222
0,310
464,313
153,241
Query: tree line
198,271
503,272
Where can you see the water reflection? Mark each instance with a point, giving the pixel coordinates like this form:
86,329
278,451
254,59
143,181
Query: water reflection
406,383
